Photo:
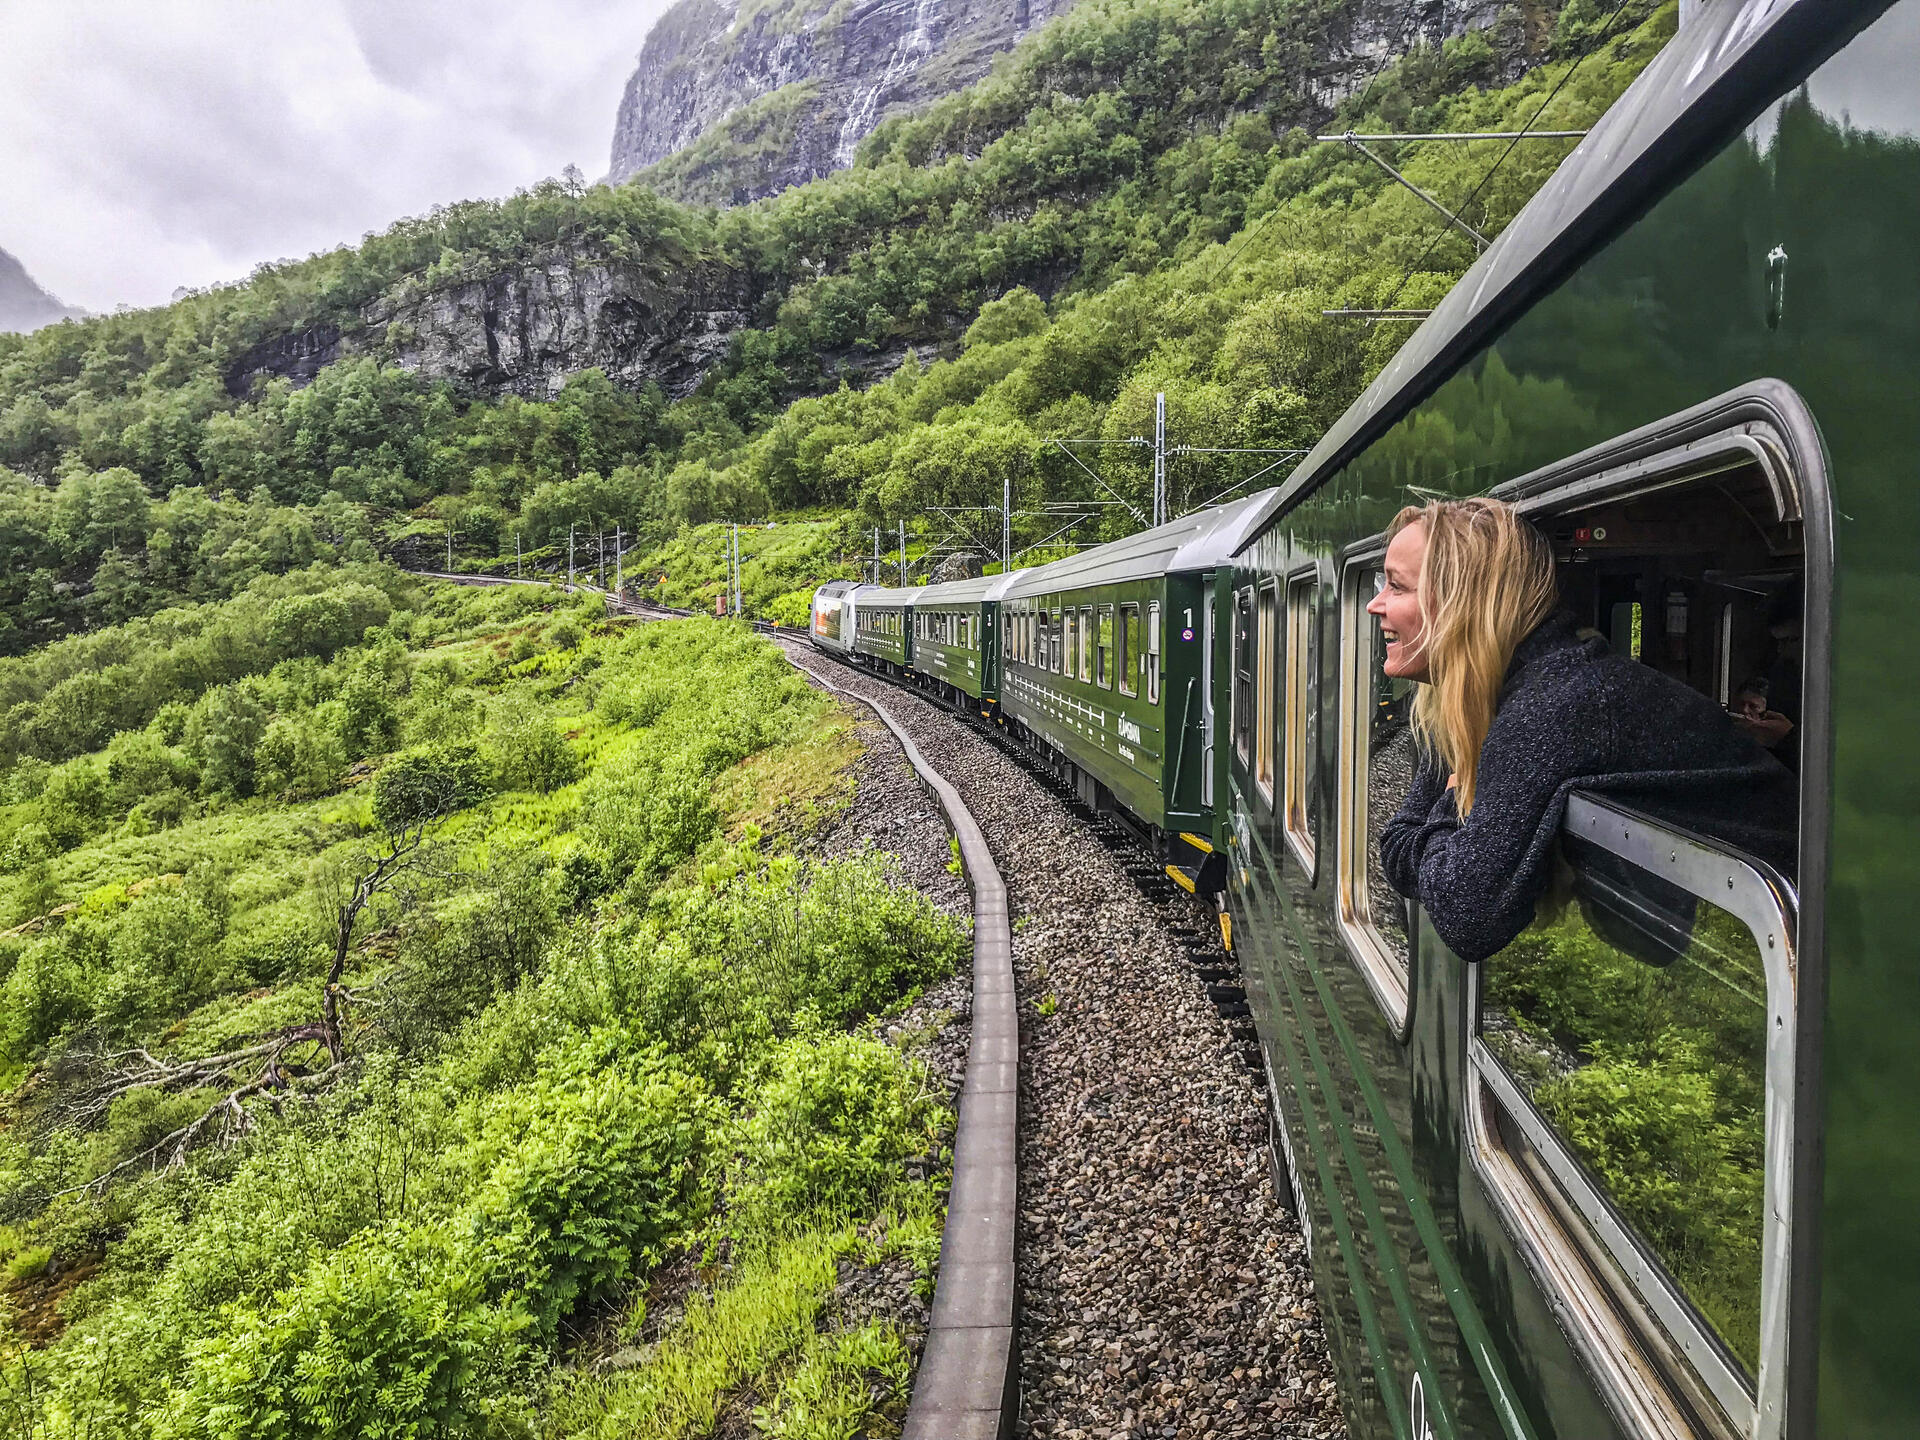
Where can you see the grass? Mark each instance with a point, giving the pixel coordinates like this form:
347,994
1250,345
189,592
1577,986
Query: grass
760,1333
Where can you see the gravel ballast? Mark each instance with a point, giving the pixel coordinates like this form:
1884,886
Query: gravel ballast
1164,1290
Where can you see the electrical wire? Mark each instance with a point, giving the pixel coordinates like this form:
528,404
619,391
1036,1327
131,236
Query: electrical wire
1605,34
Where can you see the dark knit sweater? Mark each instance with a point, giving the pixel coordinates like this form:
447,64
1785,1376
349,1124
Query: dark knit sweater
1574,716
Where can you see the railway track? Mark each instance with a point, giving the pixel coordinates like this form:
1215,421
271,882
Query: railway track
1163,1287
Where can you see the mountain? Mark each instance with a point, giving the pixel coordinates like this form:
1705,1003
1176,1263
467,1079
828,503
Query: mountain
748,99
24,305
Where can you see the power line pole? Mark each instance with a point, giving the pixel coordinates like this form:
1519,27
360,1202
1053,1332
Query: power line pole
739,599
516,554
903,554
1160,457
619,581
876,554
449,547
569,554
1006,524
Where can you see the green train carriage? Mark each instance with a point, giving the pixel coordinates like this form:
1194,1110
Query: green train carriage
883,627
1649,1172
1108,665
956,638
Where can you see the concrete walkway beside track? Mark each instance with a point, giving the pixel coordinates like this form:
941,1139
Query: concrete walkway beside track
966,1387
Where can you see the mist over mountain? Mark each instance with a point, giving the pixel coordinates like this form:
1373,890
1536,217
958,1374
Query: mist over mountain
24,306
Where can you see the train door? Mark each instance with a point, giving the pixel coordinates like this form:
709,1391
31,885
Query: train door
1206,697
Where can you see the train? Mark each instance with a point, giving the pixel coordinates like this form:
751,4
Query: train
1650,1170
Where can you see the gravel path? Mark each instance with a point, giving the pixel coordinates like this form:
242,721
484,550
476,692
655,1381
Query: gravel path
1164,1291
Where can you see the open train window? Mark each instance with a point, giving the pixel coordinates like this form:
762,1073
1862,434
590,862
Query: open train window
1264,675
1153,653
1243,675
1103,649
1132,659
1664,967
1633,1112
1376,765
1072,633
1086,643
1301,763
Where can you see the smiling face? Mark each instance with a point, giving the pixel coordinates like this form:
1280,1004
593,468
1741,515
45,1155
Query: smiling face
1398,605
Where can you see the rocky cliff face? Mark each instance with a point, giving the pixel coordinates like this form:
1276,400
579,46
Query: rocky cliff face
523,329
794,88
24,305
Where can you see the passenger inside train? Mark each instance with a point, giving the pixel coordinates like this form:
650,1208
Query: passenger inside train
1515,710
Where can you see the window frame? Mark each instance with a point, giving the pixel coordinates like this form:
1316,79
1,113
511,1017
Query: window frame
1302,694
1390,982
1103,646
1266,674
1085,670
1129,655
1764,423
1240,666
1621,1290
1153,652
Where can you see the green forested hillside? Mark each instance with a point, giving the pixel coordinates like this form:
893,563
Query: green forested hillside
1127,205
367,1037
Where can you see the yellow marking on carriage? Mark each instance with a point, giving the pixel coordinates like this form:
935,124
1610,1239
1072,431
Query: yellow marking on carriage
1226,931
1179,877
1205,847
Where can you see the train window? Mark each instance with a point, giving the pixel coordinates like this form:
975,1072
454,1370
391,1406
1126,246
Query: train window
1301,764
1132,660
1632,1114
1264,674
1153,653
1070,632
1103,649
1635,1052
1377,758
1086,643
1243,675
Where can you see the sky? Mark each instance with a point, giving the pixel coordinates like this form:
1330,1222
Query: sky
148,144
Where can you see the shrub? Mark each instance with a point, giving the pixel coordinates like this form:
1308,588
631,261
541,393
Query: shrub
829,1131
387,1337
604,1170
422,785
529,752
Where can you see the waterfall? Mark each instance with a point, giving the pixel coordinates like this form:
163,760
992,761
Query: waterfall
910,52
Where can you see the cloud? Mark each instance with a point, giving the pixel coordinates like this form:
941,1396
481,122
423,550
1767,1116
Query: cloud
144,146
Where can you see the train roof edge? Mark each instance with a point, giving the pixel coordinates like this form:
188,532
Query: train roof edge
1199,541
1687,103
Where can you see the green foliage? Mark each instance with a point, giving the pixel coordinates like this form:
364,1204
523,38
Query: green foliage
831,1393
1655,1075
389,1336
829,1132
424,785
767,1314
529,752
604,1170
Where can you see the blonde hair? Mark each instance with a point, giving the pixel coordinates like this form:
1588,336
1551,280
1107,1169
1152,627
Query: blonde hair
1486,582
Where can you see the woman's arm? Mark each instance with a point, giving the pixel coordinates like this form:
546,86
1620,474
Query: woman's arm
1429,802
1478,878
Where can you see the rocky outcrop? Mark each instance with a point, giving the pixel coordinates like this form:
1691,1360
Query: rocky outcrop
523,329
24,305
825,75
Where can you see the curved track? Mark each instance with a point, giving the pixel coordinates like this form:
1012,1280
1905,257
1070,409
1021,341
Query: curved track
1163,1289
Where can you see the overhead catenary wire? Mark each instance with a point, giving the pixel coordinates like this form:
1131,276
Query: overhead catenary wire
1604,34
